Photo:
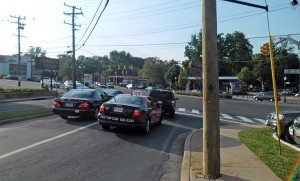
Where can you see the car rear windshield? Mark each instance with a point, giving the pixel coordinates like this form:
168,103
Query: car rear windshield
127,100
78,94
164,95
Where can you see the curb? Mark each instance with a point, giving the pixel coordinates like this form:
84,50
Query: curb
286,143
186,160
25,118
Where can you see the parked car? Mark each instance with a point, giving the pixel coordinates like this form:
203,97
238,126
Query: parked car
266,96
141,86
167,99
80,102
287,92
52,83
295,130
149,88
78,86
130,111
110,86
11,77
112,92
286,121
129,86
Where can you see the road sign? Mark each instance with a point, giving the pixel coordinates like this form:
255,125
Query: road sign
46,63
291,71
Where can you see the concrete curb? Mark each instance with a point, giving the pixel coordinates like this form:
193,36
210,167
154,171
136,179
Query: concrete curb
286,143
25,118
186,161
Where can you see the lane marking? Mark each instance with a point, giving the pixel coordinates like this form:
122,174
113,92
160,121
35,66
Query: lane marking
245,119
195,111
181,109
260,120
226,116
45,141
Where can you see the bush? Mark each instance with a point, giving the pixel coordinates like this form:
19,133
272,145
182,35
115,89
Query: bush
225,95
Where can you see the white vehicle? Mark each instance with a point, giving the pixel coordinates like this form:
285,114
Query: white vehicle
129,86
78,86
149,88
48,83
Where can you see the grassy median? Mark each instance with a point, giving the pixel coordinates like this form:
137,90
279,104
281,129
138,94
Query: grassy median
261,143
31,112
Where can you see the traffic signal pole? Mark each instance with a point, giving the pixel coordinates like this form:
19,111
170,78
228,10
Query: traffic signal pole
211,118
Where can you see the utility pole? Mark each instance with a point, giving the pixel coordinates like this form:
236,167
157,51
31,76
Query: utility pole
20,27
73,39
211,118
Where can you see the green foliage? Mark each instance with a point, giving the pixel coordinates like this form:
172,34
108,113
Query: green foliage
183,78
172,73
263,145
9,90
246,76
225,95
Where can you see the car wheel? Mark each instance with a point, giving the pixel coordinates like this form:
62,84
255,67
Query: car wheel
105,127
63,116
256,99
147,126
172,115
96,112
287,135
160,119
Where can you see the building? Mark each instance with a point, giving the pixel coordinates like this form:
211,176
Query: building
9,66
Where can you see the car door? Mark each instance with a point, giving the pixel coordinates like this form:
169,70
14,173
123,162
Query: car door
155,111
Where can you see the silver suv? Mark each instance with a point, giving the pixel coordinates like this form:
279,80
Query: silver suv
266,96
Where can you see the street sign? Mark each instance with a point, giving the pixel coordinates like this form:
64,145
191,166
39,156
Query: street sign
46,63
291,71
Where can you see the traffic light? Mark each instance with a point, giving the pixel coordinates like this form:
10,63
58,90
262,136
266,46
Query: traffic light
264,49
190,64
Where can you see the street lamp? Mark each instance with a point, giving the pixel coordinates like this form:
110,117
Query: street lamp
116,78
284,91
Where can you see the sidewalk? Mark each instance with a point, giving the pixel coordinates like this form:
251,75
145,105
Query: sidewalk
237,161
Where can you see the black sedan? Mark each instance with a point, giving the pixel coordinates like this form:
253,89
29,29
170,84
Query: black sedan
131,111
112,92
80,102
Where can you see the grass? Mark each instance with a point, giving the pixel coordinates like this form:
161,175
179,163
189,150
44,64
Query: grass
10,90
31,112
262,144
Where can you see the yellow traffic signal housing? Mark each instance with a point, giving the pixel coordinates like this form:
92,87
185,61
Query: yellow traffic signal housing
264,49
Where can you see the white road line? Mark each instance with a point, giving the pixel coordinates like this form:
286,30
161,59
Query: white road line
245,119
181,109
195,111
260,120
226,116
45,141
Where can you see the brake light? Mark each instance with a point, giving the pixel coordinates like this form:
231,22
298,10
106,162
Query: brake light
136,113
56,104
173,103
84,105
101,109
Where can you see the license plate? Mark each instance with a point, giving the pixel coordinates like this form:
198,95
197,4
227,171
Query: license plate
118,109
69,104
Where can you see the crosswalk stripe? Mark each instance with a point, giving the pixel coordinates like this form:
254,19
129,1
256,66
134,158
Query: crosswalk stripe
245,119
260,120
226,116
181,109
195,111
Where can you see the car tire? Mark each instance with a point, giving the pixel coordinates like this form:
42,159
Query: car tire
96,112
172,115
256,99
287,135
64,116
105,127
147,126
160,119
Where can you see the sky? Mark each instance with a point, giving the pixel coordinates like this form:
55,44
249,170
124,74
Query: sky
143,28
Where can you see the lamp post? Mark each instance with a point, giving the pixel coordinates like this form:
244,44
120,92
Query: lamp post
116,78
284,91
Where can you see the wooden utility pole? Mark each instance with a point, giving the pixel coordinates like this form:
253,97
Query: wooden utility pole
211,118
20,27
73,40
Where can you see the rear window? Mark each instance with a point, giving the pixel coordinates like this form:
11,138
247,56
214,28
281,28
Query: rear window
127,99
164,95
78,94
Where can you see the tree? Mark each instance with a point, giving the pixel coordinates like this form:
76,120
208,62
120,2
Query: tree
36,52
183,78
171,74
154,73
245,76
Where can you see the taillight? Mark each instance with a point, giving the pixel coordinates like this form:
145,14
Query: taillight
173,103
84,105
101,109
56,104
136,113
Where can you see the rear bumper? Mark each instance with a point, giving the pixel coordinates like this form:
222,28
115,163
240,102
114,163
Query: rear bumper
73,112
121,122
